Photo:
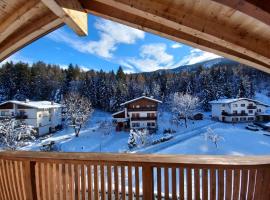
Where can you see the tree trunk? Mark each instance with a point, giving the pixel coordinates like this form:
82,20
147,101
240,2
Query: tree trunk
186,122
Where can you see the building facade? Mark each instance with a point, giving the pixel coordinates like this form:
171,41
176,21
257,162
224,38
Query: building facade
44,116
137,113
237,110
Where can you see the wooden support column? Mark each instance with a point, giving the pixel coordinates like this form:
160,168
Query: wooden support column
148,186
71,12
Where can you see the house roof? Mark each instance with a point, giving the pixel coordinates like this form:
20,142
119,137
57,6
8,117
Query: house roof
225,101
35,104
118,112
142,97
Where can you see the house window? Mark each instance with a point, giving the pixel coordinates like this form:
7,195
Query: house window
242,105
235,105
137,106
250,111
243,119
135,124
39,115
259,110
250,118
235,112
151,124
40,125
135,115
223,105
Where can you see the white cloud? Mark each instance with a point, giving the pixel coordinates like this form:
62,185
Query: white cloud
176,46
196,56
15,58
111,35
152,57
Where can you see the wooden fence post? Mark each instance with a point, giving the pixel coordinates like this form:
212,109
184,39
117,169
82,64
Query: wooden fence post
147,178
29,179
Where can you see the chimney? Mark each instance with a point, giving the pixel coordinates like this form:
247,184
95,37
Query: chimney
26,100
152,97
52,103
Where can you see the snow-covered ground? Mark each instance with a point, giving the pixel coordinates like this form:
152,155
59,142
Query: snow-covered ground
236,139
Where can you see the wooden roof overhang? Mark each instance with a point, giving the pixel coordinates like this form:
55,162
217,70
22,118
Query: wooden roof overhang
238,30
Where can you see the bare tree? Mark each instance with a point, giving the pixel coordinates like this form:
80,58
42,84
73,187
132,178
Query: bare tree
14,133
77,111
212,136
183,106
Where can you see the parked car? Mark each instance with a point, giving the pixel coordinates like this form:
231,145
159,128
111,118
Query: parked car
252,127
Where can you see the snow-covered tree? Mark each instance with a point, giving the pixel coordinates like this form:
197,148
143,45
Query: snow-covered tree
184,105
14,133
210,135
131,140
142,136
77,111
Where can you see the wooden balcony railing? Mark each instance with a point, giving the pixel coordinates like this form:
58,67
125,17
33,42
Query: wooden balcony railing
40,175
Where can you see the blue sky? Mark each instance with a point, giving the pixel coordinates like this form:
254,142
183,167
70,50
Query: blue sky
109,45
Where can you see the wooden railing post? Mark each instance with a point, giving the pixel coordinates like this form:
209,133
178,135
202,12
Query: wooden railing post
29,179
147,178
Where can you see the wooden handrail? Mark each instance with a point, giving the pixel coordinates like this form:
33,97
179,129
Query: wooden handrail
49,175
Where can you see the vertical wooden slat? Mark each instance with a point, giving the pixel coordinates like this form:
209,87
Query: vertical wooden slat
181,183
251,184
174,183
213,184
159,182
109,181
189,183
76,178
3,181
72,182
64,181
123,183
228,183
37,181
220,183
166,183
244,179
67,181
116,182
96,184
83,184
18,181
89,179
60,173
1,185
137,183
197,183
51,182
43,181
147,177
236,183
54,175
130,183
14,182
8,176
102,196
29,179
205,184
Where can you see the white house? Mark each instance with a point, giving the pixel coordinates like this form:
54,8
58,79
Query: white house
237,110
138,113
45,116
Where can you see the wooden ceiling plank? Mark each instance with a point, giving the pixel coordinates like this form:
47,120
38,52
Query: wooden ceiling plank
198,26
19,18
71,12
31,32
132,20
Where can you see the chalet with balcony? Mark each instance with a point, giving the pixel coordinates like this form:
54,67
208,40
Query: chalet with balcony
44,116
237,110
137,113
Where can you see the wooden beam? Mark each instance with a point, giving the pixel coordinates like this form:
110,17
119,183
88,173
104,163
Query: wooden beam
71,12
202,26
23,15
141,23
259,9
29,33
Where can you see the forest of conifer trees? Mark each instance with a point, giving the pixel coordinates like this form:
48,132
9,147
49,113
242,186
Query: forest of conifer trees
107,90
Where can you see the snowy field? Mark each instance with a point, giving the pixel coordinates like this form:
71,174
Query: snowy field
236,140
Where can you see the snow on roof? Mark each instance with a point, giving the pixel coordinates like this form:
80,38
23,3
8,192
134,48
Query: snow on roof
142,97
118,112
35,104
225,101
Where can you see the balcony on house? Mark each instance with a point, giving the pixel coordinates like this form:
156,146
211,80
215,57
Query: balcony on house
251,107
143,118
234,114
